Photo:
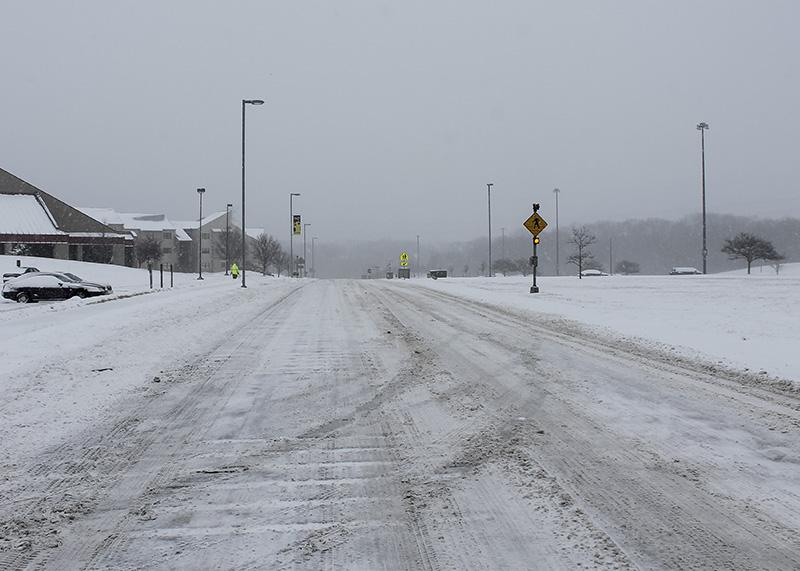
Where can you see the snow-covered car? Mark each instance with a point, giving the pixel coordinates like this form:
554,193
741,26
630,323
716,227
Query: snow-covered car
106,287
41,286
684,271
592,273
21,271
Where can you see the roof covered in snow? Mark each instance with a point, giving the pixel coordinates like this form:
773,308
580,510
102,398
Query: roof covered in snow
25,214
138,221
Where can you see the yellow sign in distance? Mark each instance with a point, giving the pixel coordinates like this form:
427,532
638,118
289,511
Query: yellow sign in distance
404,260
535,224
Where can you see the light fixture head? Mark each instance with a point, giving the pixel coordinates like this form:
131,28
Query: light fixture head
201,190
254,101
701,126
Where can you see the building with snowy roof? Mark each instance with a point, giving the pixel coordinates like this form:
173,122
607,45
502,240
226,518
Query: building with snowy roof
36,223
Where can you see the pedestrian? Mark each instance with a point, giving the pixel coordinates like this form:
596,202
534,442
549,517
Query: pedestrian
235,271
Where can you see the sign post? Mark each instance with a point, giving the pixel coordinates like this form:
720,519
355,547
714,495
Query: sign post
535,224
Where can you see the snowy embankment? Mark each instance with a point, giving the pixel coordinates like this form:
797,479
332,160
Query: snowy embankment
744,322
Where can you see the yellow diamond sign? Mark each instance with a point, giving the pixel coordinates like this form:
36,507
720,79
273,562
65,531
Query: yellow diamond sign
535,224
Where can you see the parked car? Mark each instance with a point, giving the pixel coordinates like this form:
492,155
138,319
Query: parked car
74,278
19,272
40,286
436,274
592,273
684,271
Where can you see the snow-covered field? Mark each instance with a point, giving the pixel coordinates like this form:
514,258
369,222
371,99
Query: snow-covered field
745,322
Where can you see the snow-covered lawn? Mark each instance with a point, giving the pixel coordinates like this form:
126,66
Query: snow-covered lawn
125,281
747,322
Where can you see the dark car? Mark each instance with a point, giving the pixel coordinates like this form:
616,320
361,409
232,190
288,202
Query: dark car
41,286
21,271
78,279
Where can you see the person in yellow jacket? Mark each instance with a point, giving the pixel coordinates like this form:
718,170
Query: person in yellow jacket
235,271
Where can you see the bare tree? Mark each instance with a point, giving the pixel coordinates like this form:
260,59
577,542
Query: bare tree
524,266
147,250
751,248
267,251
581,239
504,266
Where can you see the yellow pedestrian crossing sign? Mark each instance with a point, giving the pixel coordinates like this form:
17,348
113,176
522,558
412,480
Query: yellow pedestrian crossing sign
535,224
404,260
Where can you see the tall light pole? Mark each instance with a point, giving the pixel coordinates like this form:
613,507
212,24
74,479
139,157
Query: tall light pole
702,128
503,246
313,266
200,192
489,186
227,236
558,268
305,260
244,223
291,233
419,262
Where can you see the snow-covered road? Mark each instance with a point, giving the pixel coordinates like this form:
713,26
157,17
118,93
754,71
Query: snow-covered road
380,425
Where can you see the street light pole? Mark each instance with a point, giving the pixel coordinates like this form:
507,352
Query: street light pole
503,246
702,128
489,194
305,261
419,262
227,236
200,192
558,268
291,233
313,266
244,224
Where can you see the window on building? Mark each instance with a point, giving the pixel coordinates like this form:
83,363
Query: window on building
206,235
206,250
167,235
166,250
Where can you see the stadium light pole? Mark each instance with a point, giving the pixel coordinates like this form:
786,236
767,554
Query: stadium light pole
291,233
305,261
558,269
489,186
245,102
200,193
313,266
227,236
702,127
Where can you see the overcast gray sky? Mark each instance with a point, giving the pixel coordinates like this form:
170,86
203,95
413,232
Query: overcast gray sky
390,117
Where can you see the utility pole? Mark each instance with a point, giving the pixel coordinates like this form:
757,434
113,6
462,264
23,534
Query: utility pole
419,262
610,257
291,233
702,128
558,267
503,247
200,192
305,260
489,194
227,236
313,265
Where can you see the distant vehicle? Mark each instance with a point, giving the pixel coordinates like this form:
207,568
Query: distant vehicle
41,286
684,271
592,273
436,274
11,275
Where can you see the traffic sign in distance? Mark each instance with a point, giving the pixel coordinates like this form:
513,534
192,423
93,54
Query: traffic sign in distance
535,224
404,260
